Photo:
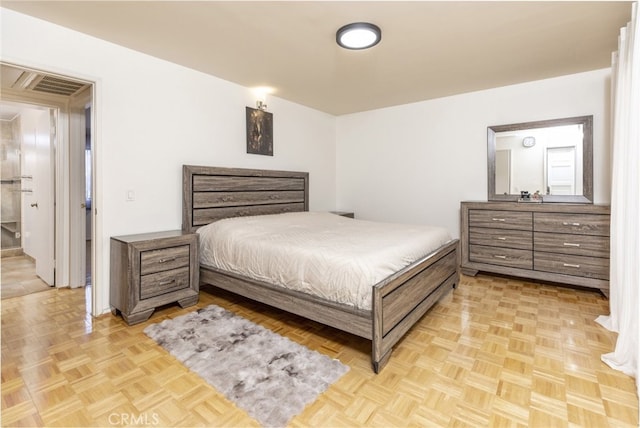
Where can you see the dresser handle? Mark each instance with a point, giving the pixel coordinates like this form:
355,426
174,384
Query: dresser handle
163,283
566,223
168,259
571,265
501,238
569,244
498,219
500,257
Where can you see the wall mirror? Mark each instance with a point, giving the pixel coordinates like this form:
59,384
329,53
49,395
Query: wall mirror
550,158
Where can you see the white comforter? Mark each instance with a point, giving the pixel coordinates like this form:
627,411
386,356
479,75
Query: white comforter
319,253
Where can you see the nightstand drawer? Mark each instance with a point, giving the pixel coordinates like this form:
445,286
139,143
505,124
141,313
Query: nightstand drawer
164,259
508,257
348,214
500,219
164,282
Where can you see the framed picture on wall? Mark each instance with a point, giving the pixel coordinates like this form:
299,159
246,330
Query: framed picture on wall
259,132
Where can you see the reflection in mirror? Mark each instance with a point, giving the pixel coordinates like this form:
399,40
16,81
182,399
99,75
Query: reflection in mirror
551,160
546,160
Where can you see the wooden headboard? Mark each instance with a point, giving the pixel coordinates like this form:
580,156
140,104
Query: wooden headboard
214,193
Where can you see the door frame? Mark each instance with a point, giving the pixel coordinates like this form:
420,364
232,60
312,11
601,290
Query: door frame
63,186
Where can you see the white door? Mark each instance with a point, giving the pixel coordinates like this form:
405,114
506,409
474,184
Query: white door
561,171
38,190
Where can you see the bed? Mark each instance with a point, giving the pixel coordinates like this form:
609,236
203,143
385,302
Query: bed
397,301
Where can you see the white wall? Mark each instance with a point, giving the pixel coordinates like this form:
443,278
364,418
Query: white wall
415,162
153,116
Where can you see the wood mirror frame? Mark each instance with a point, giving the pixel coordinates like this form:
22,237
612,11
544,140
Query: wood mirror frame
587,158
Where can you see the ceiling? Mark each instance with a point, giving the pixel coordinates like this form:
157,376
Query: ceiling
428,49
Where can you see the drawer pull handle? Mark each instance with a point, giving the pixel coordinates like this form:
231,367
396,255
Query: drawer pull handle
566,223
501,238
168,259
500,257
498,219
569,244
571,265
163,283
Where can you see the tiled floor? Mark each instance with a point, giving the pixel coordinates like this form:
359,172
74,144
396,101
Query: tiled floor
19,277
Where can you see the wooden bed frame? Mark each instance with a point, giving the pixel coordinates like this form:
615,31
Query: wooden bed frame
399,301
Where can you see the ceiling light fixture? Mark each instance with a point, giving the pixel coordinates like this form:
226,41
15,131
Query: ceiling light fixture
359,35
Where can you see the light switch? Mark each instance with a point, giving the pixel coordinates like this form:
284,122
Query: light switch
131,195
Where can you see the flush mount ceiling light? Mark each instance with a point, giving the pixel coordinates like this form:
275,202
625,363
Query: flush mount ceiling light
359,35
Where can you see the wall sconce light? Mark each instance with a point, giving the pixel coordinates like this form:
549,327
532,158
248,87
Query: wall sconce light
261,92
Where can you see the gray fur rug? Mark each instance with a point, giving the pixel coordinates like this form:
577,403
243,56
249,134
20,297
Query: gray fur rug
267,375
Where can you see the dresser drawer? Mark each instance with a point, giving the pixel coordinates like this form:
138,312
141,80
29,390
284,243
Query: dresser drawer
588,267
163,259
508,257
500,219
585,224
164,282
507,238
566,243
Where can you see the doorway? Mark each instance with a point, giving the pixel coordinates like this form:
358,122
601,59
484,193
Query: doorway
70,105
28,163
27,199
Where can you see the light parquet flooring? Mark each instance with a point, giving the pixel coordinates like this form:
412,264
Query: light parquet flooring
495,352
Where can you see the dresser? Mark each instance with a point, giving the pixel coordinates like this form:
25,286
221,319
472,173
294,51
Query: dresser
153,269
562,243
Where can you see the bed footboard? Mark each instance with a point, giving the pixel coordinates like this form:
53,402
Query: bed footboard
403,298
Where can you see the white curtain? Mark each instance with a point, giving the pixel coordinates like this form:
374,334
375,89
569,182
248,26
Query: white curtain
624,299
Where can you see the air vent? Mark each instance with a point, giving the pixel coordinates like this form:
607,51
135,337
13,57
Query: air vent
54,85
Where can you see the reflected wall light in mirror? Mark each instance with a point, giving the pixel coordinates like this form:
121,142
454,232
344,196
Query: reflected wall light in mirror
551,157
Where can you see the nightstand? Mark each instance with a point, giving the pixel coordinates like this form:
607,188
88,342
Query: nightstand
153,269
343,213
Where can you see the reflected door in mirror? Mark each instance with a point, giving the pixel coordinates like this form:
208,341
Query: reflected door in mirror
561,171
